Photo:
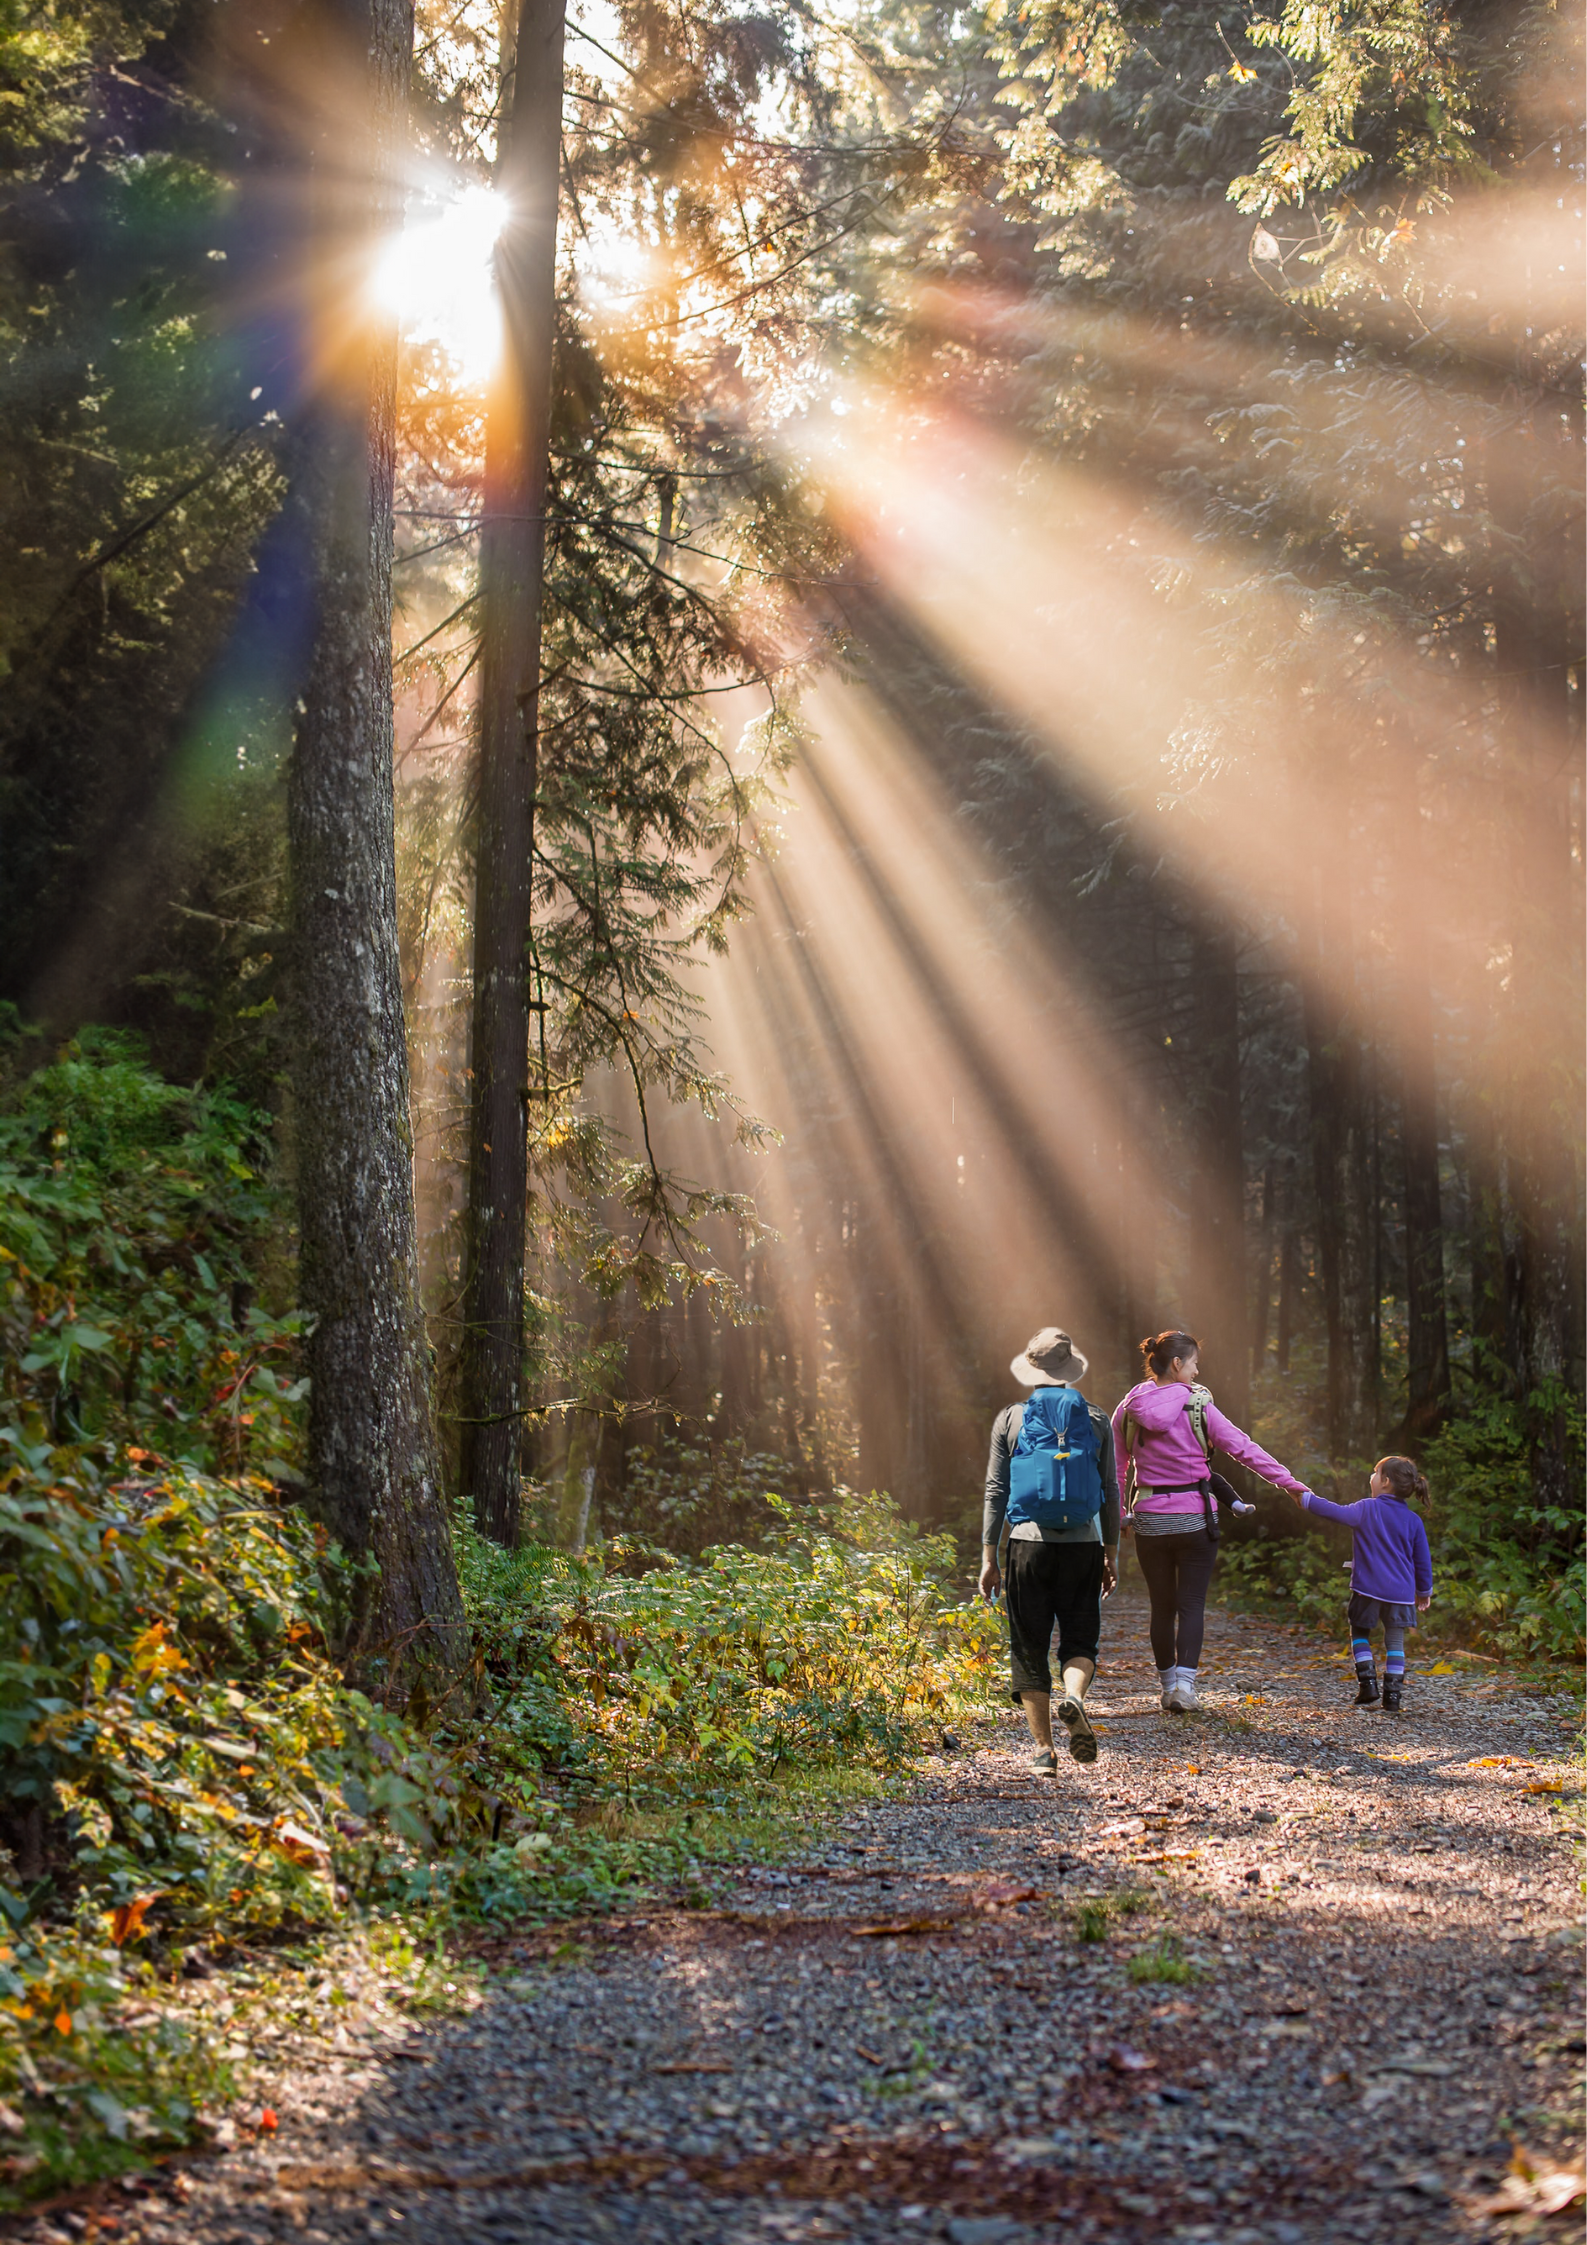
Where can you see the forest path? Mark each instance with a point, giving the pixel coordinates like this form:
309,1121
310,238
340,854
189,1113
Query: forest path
903,2036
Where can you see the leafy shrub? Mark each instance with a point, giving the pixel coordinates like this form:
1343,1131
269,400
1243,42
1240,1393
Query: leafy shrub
839,1643
133,1219
689,1499
182,1762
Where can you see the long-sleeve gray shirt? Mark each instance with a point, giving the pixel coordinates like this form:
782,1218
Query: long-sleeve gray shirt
1104,1528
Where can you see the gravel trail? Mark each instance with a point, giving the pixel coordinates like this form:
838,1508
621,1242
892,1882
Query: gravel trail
1338,1977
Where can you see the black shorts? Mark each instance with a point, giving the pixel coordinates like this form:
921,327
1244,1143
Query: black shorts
1368,1613
1047,1583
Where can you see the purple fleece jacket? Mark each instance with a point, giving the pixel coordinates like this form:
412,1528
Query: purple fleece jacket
1391,1559
1167,1452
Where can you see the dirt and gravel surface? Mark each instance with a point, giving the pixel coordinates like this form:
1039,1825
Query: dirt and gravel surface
1338,1980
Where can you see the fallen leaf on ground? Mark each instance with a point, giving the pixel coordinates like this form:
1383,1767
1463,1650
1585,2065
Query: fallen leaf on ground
998,1893
693,2066
1124,2060
901,1925
1532,2188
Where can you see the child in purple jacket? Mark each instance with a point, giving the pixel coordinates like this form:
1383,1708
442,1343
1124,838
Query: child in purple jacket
1391,1572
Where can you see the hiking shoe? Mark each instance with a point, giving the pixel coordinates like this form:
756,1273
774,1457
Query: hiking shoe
1367,1696
1044,1762
1082,1738
1182,1700
1392,1688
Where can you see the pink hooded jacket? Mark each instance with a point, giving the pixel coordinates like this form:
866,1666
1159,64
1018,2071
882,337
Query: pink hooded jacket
1167,1452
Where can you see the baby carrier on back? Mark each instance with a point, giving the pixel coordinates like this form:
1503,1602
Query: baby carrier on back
1054,1479
1212,1488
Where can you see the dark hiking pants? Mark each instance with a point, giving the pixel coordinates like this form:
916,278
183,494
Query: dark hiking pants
1177,1571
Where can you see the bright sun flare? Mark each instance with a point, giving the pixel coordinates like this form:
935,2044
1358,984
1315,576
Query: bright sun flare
436,276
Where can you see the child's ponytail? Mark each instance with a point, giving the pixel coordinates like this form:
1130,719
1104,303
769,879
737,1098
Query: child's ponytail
1404,1477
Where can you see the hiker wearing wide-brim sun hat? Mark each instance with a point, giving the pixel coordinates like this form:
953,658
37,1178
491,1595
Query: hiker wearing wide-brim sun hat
1050,1526
1050,1359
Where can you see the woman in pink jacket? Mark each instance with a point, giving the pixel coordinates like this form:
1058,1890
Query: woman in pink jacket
1157,1439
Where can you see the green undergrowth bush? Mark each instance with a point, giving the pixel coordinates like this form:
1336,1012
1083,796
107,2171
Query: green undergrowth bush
139,1230
692,1496
184,1767
654,1713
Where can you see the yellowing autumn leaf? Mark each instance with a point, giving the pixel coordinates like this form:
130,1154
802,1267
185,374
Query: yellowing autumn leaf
301,1847
151,1655
126,1920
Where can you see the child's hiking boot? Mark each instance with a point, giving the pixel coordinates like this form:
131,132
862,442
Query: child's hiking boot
1082,1738
1367,1695
1393,1687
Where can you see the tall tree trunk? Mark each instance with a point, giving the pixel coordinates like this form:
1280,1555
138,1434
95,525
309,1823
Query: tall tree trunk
1485,1230
372,1453
1216,1294
512,572
1340,1170
1288,1279
1263,1300
1535,642
1427,1350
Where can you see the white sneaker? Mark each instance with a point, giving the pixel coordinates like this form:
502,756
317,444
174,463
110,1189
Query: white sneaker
1182,1700
1168,1678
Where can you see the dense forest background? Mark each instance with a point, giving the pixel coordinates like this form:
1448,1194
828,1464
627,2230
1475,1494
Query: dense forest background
1059,788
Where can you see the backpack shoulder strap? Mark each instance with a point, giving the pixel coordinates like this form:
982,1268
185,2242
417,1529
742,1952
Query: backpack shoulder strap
1197,1414
1131,1489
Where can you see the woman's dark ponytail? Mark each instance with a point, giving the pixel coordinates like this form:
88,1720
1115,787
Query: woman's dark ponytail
1405,1478
1158,1354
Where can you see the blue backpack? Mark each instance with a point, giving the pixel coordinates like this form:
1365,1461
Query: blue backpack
1053,1475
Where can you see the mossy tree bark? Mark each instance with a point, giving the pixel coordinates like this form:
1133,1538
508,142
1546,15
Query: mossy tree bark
512,572
373,1461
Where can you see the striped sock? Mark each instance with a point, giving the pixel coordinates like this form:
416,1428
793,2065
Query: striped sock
1361,1651
1394,1662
